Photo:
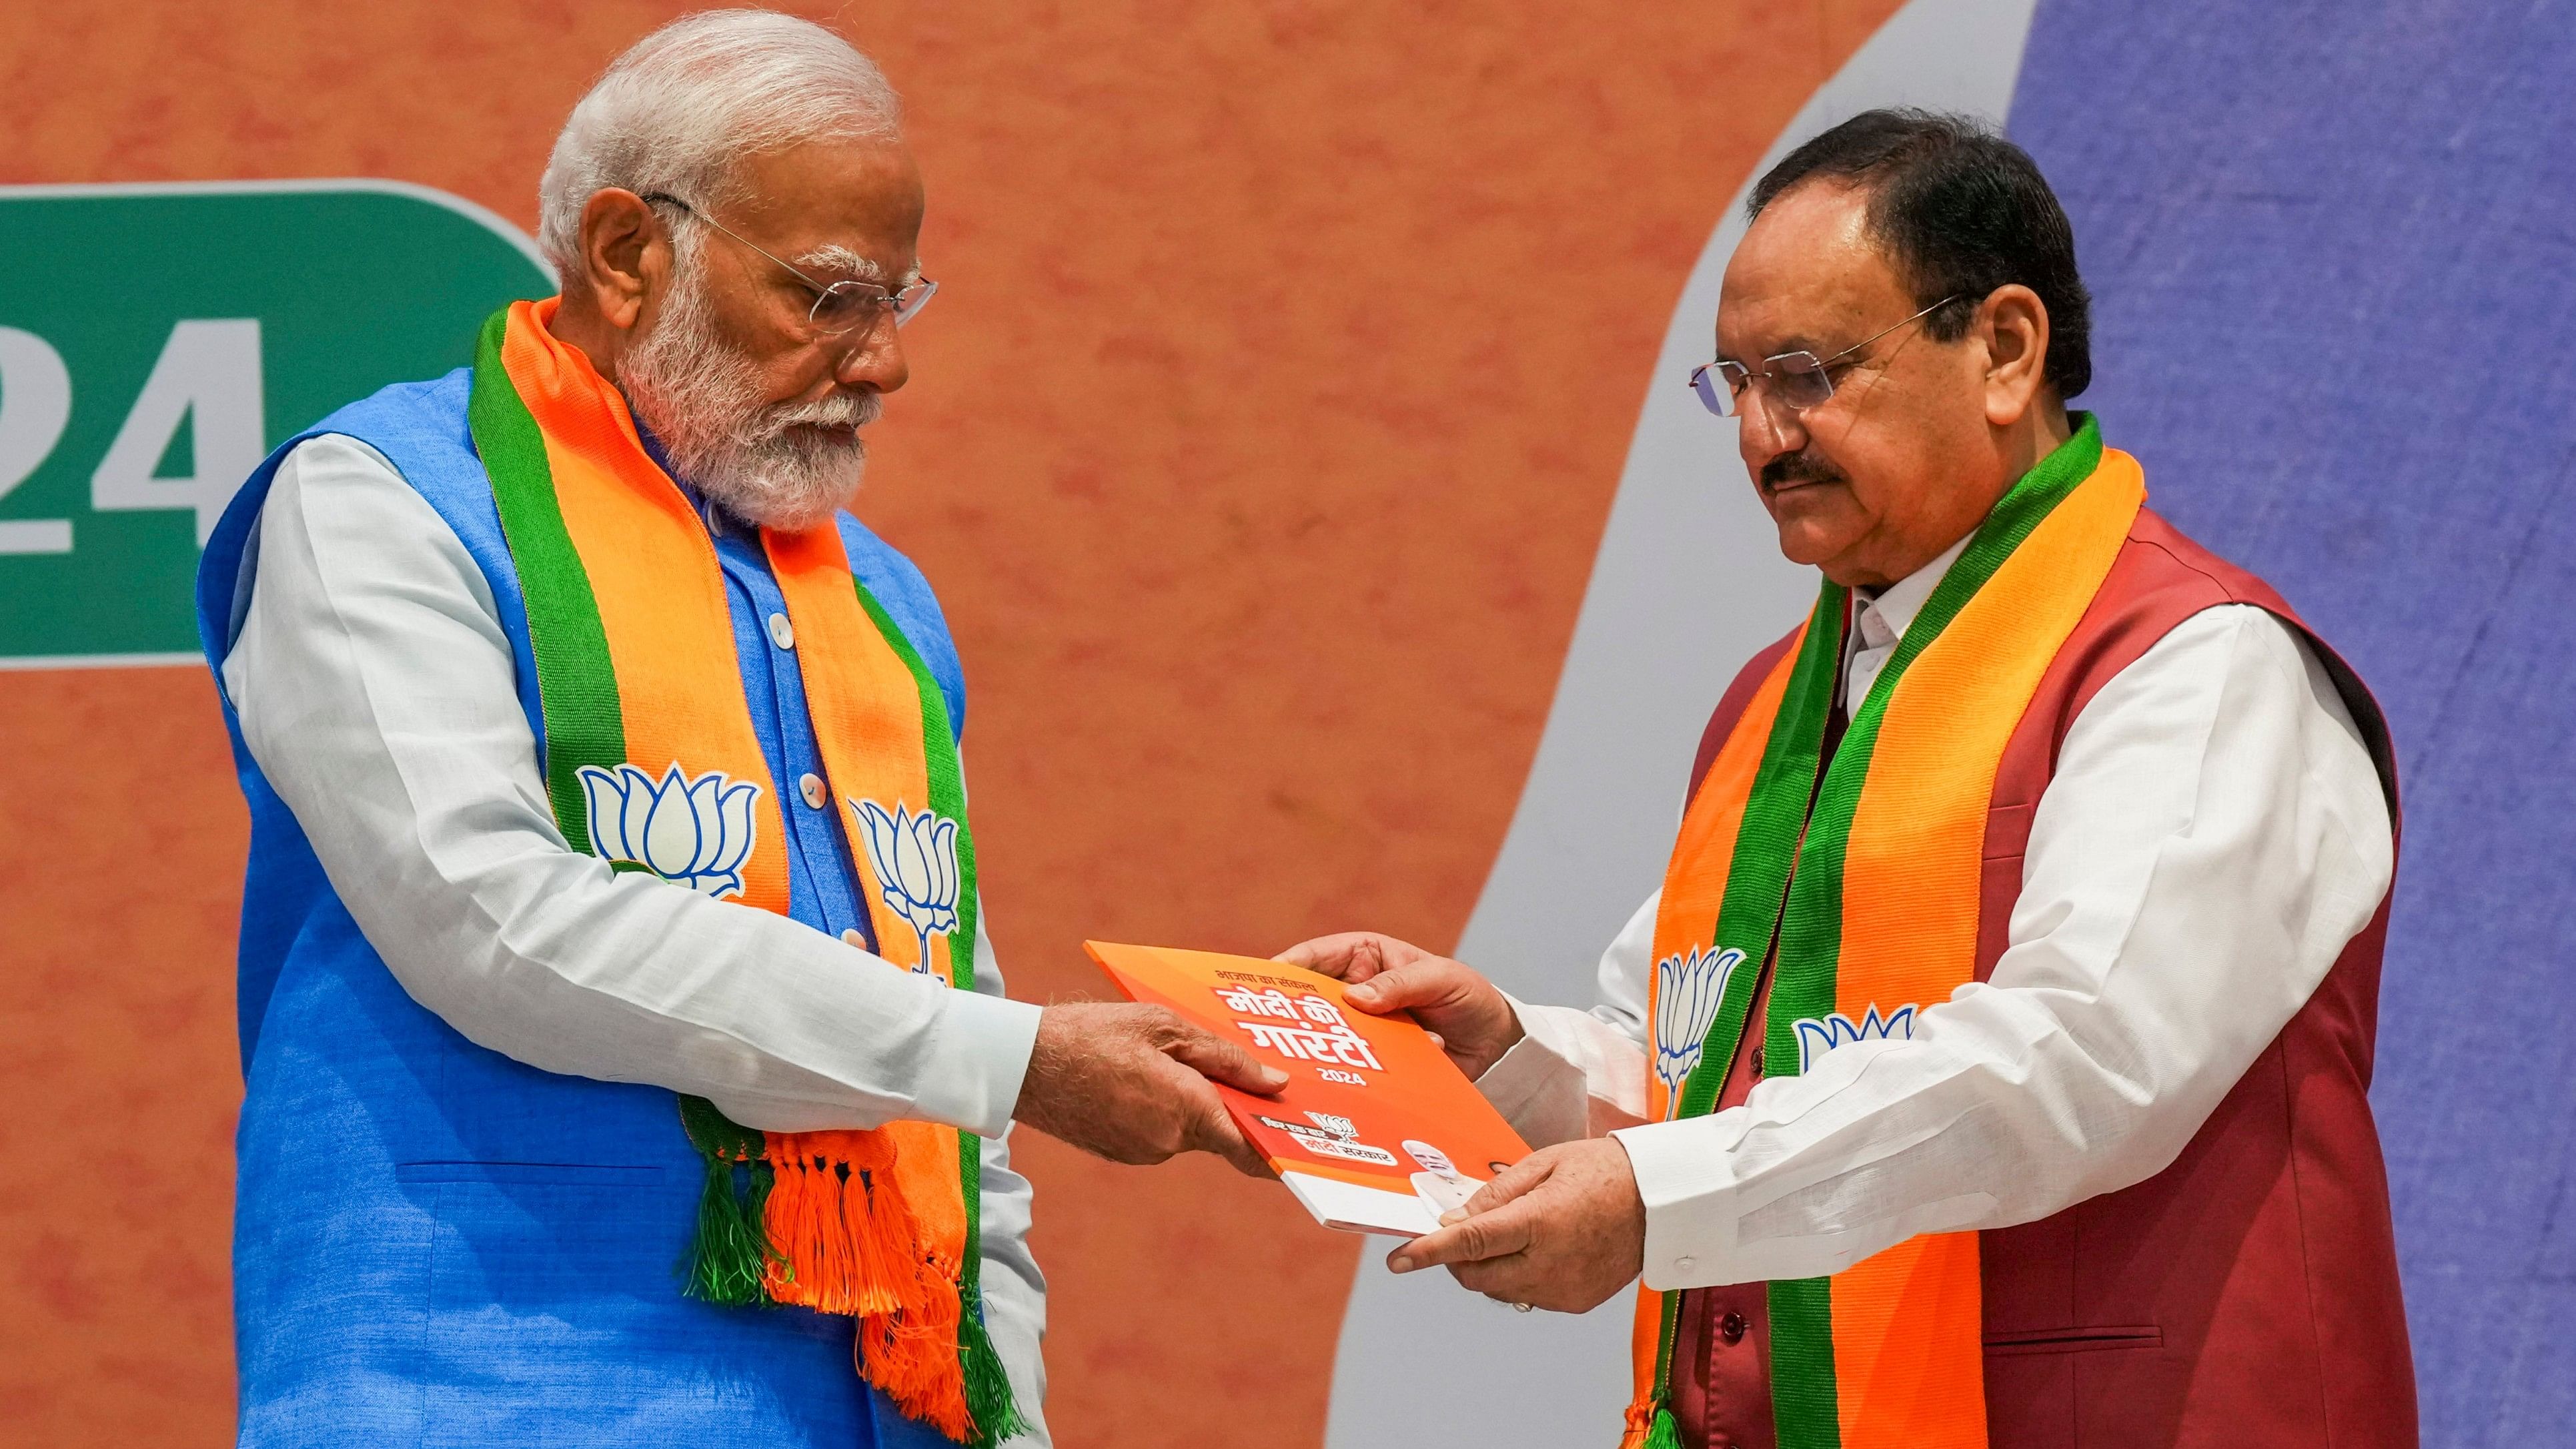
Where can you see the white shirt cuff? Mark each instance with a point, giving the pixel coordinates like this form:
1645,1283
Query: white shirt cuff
978,1057
1536,1085
1685,1178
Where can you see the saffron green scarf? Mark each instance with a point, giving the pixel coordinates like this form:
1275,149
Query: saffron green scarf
653,764
1863,888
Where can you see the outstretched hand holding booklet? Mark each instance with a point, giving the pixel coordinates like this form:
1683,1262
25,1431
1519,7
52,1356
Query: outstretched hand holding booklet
1377,1130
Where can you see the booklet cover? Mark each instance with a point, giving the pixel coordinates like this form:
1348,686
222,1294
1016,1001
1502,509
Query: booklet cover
1377,1130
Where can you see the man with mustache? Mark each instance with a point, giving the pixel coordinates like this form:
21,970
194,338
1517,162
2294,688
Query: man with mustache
1990,1068
612,902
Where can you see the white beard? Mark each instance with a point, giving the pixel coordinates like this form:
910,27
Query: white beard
788,466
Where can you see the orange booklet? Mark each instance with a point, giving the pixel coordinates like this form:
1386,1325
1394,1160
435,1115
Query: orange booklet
1377,1130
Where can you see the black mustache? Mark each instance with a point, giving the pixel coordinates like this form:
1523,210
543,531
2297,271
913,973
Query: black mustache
1799,468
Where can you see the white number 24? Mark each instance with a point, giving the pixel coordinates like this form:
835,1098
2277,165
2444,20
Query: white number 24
208,371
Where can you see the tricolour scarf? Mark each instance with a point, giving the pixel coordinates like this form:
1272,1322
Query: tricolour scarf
652,763
1863,888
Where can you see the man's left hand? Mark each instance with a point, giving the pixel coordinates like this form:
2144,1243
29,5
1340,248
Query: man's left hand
1562,1228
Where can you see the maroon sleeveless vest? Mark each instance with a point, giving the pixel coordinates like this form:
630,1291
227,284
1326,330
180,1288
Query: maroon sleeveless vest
2245,1297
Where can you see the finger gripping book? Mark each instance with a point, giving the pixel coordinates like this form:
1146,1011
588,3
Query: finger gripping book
1377,1130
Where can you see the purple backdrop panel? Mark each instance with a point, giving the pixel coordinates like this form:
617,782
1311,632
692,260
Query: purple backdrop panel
2333,248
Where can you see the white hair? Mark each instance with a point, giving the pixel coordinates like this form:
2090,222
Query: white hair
684,105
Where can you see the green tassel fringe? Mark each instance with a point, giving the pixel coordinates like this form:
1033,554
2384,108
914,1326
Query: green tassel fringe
1665,1434
729,1255
988,1388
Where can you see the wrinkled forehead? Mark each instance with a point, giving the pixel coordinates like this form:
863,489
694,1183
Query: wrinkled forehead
1807,276
847,211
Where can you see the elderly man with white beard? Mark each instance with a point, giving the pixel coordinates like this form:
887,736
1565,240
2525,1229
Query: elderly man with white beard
611,901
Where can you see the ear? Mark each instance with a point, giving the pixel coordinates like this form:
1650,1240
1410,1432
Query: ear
625,255
2013,323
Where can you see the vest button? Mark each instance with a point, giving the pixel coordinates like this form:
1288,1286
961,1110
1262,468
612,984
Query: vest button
1730,1329
1757,1061
781,633
811,787
852,937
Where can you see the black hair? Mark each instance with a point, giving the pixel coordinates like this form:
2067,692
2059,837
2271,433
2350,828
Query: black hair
1961,212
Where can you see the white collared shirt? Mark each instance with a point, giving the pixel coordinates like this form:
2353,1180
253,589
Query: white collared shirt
376,690
2213,835
1884,616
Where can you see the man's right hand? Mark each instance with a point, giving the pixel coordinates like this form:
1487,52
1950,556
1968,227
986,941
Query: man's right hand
1469,1014
1130,1082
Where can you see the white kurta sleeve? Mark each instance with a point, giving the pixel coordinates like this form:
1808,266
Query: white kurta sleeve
1576,1074
2213,836
375,688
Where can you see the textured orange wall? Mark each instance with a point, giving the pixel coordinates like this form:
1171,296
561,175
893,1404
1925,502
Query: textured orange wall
1284,363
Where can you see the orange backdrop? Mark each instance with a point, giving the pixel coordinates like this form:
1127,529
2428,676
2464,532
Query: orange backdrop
1284,364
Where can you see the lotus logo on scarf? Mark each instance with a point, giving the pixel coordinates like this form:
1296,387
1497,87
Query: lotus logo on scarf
1687,992
1815,1038
696,833
915,857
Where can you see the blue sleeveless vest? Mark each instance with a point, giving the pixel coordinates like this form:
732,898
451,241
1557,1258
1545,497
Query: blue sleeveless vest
434,1244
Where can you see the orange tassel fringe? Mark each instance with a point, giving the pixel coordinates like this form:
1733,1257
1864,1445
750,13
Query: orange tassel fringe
848,1245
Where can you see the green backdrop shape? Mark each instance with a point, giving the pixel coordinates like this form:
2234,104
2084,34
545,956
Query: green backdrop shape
353,284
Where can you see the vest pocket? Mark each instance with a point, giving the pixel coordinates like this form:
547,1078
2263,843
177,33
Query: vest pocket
1999,879
2008,831
2073,1340
503,1173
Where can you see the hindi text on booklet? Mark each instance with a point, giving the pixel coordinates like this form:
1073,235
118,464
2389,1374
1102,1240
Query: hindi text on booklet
1377,1130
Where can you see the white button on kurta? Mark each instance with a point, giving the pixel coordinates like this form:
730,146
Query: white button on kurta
781,633
810,786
